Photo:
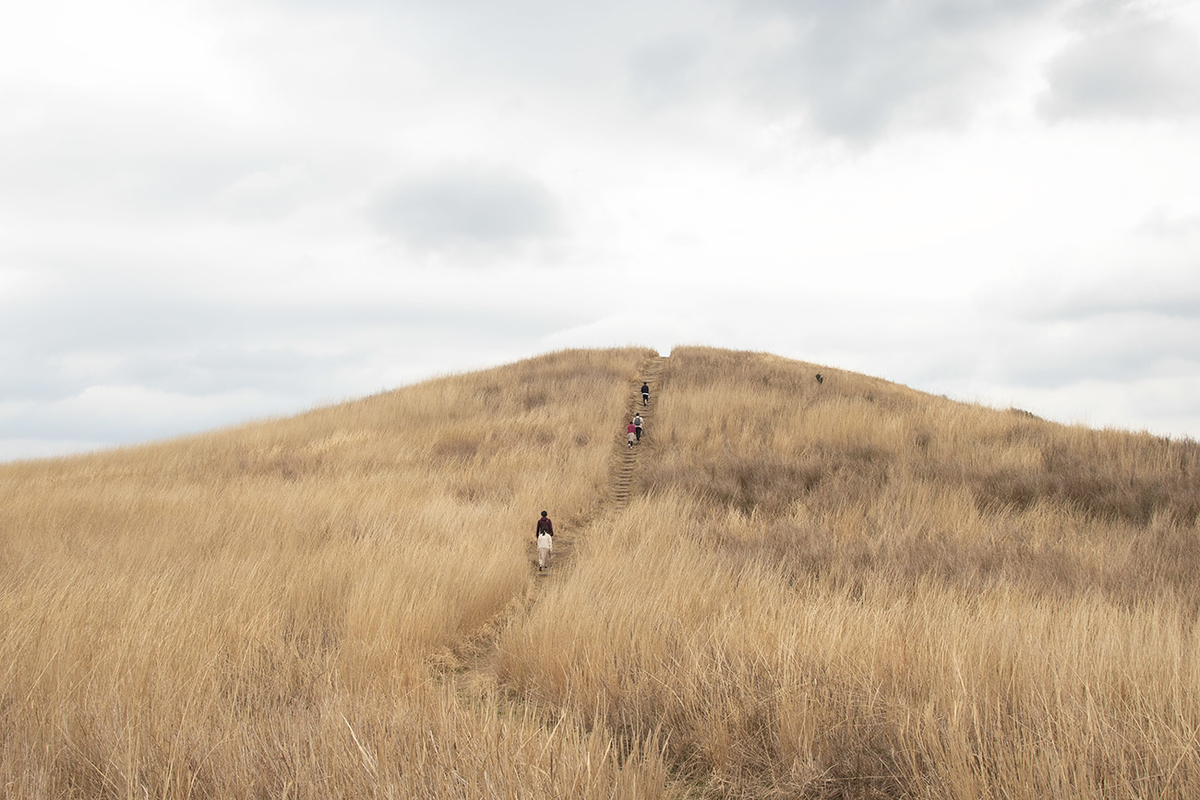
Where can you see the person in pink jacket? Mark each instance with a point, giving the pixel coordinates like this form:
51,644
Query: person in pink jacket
632,430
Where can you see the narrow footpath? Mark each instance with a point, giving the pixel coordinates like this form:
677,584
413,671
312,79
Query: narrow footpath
621,469
469,667
620,481
469,670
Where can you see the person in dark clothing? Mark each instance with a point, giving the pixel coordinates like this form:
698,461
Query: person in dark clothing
637,426
645,393
544,537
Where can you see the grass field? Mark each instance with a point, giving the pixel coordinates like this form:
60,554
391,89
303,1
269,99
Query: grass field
274,610
847,589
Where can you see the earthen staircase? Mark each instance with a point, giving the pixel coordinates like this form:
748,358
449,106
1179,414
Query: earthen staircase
622,468
621,476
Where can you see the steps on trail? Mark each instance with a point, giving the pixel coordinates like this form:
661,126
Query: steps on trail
623,469
624,463
470,668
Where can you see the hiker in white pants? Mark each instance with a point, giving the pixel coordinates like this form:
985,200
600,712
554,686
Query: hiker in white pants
543,534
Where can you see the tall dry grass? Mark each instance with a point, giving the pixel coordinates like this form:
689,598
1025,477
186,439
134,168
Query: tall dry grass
276,610
848,589
851,589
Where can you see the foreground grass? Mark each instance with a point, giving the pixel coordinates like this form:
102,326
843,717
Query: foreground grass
850,589
847,589
260,612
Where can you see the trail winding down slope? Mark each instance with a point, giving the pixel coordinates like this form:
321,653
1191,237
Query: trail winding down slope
623,467
621,478
471,669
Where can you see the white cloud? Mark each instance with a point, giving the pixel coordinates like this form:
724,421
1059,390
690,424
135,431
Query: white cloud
859,68
262,205
1164,224
1162,406
464,207
1137,66
132,413
23,448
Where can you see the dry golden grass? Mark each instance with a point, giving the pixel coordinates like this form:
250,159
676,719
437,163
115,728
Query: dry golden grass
274,610
856,590
841,590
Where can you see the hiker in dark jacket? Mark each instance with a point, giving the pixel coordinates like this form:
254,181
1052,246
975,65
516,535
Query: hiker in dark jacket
645,393
544,537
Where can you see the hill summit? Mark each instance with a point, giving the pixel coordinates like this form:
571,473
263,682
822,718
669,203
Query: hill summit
788,587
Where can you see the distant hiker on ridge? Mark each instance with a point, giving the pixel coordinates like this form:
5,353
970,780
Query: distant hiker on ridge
645,393
631,430
637,426
544,536
819,378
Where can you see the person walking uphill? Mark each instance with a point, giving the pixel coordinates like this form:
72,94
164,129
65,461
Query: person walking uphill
637,424
631,431
544,535
645,393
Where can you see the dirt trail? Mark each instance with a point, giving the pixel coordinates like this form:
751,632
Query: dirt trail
620,480
621,469
468,665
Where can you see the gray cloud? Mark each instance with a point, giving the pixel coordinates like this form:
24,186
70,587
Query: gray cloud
195,218
201,370
667,72
1145,294
858,67
25,375
467,207
1113,349
212,370
105,415
1125,64
1090,305
110,330
1131,325
853,68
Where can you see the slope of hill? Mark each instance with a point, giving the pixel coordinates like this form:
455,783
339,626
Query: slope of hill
266,611
854,589
845,589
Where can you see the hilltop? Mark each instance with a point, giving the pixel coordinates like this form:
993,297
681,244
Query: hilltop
789,588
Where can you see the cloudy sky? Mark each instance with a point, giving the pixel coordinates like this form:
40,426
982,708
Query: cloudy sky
217,210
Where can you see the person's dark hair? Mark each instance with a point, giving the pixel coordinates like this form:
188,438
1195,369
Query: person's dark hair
543,513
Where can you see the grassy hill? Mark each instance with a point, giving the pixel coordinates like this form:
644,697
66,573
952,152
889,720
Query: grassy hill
791,589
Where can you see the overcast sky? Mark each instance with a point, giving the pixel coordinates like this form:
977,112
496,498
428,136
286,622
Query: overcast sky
217,210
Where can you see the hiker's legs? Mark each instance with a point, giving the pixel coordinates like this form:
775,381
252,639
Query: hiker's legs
645,398
543,557
638,431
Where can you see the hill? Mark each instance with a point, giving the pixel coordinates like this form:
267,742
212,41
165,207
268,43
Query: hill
789,588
